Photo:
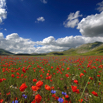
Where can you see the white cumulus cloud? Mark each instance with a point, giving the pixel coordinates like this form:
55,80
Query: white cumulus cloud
16,44
40,19
72,20
44,1
100,8
3,12
92,25
67,42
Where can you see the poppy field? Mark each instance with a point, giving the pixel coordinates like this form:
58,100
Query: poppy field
51,79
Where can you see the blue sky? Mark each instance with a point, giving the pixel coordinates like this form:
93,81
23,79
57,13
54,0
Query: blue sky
39,26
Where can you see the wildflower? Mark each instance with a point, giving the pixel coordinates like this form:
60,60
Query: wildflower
51,67
53,91
34,101
16,101
81,75
53,95
60,100
80,100
24,70
1,80
17,73
47,87
68,68
38,98
1,100
67,75
66,96
94,93
52,87
91,78
22,75
25,96
64,93
8,93
75,81
98,75
35,88
74,89
23,87
34,80
47,74
12,75
88,82
85,71
39,83
17,77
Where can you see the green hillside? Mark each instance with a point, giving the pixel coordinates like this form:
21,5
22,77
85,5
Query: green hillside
95,48
5,52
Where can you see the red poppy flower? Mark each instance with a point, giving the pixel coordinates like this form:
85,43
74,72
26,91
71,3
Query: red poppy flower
24,70
17,73
85,71
67,75
98,75
51,67
23,87
1,100
80,100
75,81
17,77
1,80
22,75
94,93
68,68
39,83
47,87
34,80
38,98
91,78
12,75
52,87
35,88
66,96
74,89
81,75
8,93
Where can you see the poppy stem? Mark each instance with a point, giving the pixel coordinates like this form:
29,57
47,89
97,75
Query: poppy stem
84,89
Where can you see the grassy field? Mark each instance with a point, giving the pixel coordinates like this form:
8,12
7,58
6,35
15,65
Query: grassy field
51,79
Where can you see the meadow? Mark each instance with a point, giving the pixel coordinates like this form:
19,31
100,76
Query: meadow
51,79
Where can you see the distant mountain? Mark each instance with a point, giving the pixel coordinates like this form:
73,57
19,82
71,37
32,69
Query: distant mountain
95,48
5,52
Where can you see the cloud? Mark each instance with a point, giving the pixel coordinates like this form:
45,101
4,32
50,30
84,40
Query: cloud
3,12
50,48
72,20
100,8
40,19
91,26
68,41
16,44
44,1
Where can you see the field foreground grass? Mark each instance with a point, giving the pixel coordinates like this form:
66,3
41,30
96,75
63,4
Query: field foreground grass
54,79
